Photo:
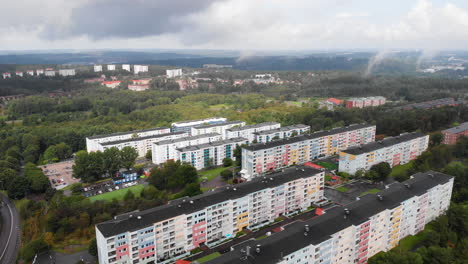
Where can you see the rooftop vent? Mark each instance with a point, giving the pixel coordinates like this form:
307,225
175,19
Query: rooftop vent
346,210
179,206
302,170
407,185
380,197
257,249
130,216
139,217
431,175
191,202
234,189
306,227
271,179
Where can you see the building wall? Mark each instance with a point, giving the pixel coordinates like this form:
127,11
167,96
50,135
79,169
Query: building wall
187,126
255,163
381,232
401,153
172,238
249,133
220,129
451,138
285,132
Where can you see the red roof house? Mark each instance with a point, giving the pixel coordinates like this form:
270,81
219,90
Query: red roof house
335,101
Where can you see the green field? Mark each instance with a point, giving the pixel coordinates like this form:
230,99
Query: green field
370,191
342,189
119,194
327,177
397,170
210,174
327,165
208,257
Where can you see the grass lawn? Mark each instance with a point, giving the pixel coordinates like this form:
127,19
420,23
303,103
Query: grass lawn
119,194
327,165
208,257
370,191
342,189
205,189
400,169
261,237
211,174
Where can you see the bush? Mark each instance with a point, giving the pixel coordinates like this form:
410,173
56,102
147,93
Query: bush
226,174
32,248
92,248
227,162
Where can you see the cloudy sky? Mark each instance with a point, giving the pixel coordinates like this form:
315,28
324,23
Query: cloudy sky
234,24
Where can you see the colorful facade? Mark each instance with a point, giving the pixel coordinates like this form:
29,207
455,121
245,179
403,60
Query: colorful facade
393,150
264,157
365,102
373,223
452,135
166,233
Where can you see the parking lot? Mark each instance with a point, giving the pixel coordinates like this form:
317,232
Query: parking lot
349,191
60,174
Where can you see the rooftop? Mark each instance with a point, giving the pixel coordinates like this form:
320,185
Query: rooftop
182,123
458,129
127,132
172,141
387,142
253,126
276,143
141,138
212,144
282,129
127,223
321,228
219,124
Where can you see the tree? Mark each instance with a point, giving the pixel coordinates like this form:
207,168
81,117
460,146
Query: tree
403,257
227,162
238,154
112,161
192,189
436,255
226,174
129,195
92,247
149,155
6,175
50,155
32,248
18,187
128,155
382,169
39,183
88,166
436,139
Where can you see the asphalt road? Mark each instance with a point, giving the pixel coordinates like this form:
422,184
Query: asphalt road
10,232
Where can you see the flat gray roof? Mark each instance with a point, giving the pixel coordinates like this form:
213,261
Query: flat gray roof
458,129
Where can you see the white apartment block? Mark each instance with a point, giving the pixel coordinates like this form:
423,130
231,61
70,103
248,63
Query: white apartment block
248,132
174,73
281,132
19,73
97,68
111,67
94,143
374,223
393,150
39,72
264,157
6,75
209,154
30,72
219,128
140,68
167,150
49,73
167,233
67,72
187,125
126,67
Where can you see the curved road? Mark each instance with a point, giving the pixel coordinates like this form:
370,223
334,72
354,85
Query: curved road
10,232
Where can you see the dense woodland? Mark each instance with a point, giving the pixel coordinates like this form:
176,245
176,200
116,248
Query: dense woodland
39,129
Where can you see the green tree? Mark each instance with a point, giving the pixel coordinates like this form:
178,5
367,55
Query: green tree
6,175
128,155
50,155
18,187
92,247
192,189
112,161
227,162
129,195
436,138
436,255
382,169
391,257
149,155
226,174
32,248
88,166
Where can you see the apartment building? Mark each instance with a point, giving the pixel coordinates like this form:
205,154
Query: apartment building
138,87
373,223
111,84
187,125
97,68
209,154
281,132
140,68
165,150
167,233
452,135
126,67
39,72
263,157
393,150
93,143
30,72
365,102
67,72
173,73
19,73
6,75
249,132
219,128
141,144
49,72
111,67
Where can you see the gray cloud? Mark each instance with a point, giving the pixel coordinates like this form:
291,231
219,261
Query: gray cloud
103,19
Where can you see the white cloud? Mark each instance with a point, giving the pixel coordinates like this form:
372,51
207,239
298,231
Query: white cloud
247,25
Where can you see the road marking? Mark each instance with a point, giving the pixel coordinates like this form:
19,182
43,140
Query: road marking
11,231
